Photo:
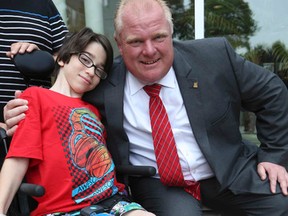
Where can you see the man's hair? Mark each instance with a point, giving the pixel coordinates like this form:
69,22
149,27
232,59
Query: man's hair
118,22
77,42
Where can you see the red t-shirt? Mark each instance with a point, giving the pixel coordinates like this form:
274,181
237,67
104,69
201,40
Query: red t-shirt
65,141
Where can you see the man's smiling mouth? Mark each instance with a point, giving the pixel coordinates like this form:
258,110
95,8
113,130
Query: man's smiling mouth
150,62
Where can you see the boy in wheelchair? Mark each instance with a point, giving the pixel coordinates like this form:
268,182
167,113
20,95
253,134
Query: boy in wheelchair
61,143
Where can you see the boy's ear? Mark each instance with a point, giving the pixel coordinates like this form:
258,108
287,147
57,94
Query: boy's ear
60,63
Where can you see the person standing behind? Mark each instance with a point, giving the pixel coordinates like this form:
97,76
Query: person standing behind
34,21
61,143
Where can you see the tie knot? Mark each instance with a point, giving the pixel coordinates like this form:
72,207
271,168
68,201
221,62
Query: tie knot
152,90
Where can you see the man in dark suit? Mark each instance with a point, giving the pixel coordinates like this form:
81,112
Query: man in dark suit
215,83
205,84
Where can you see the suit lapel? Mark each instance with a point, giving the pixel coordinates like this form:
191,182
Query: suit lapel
114,98
190,86
114,94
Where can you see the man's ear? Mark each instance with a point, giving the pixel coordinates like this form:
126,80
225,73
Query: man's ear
119,45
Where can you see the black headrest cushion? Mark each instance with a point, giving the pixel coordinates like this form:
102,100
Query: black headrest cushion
36,64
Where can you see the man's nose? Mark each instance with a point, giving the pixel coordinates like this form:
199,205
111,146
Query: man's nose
149,48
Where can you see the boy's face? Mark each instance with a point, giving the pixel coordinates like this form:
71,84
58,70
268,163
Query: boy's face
79,77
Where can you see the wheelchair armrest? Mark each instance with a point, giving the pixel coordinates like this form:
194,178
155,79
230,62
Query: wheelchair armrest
131,170
146,171
32,189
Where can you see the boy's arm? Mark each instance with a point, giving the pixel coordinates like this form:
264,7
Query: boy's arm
11,176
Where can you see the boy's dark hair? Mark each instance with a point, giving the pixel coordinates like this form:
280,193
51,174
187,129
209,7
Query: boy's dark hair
77,42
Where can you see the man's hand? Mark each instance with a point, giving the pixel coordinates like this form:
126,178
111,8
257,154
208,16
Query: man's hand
14,113
276,174
21,47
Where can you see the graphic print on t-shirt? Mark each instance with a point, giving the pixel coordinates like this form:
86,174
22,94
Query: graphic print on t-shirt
89,161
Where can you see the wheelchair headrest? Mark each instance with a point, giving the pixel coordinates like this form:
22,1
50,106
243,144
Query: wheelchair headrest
37,64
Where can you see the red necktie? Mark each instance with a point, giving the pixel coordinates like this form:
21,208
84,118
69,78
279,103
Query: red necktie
164,144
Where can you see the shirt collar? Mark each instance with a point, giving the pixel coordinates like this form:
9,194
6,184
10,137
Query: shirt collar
134,85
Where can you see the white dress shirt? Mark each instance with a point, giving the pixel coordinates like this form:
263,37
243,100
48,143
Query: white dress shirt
138,128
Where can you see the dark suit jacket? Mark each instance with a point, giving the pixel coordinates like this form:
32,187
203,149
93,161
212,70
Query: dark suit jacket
226,83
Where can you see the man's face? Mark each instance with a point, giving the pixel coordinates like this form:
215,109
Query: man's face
145,43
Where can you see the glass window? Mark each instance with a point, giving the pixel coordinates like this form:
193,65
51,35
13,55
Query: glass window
257,29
